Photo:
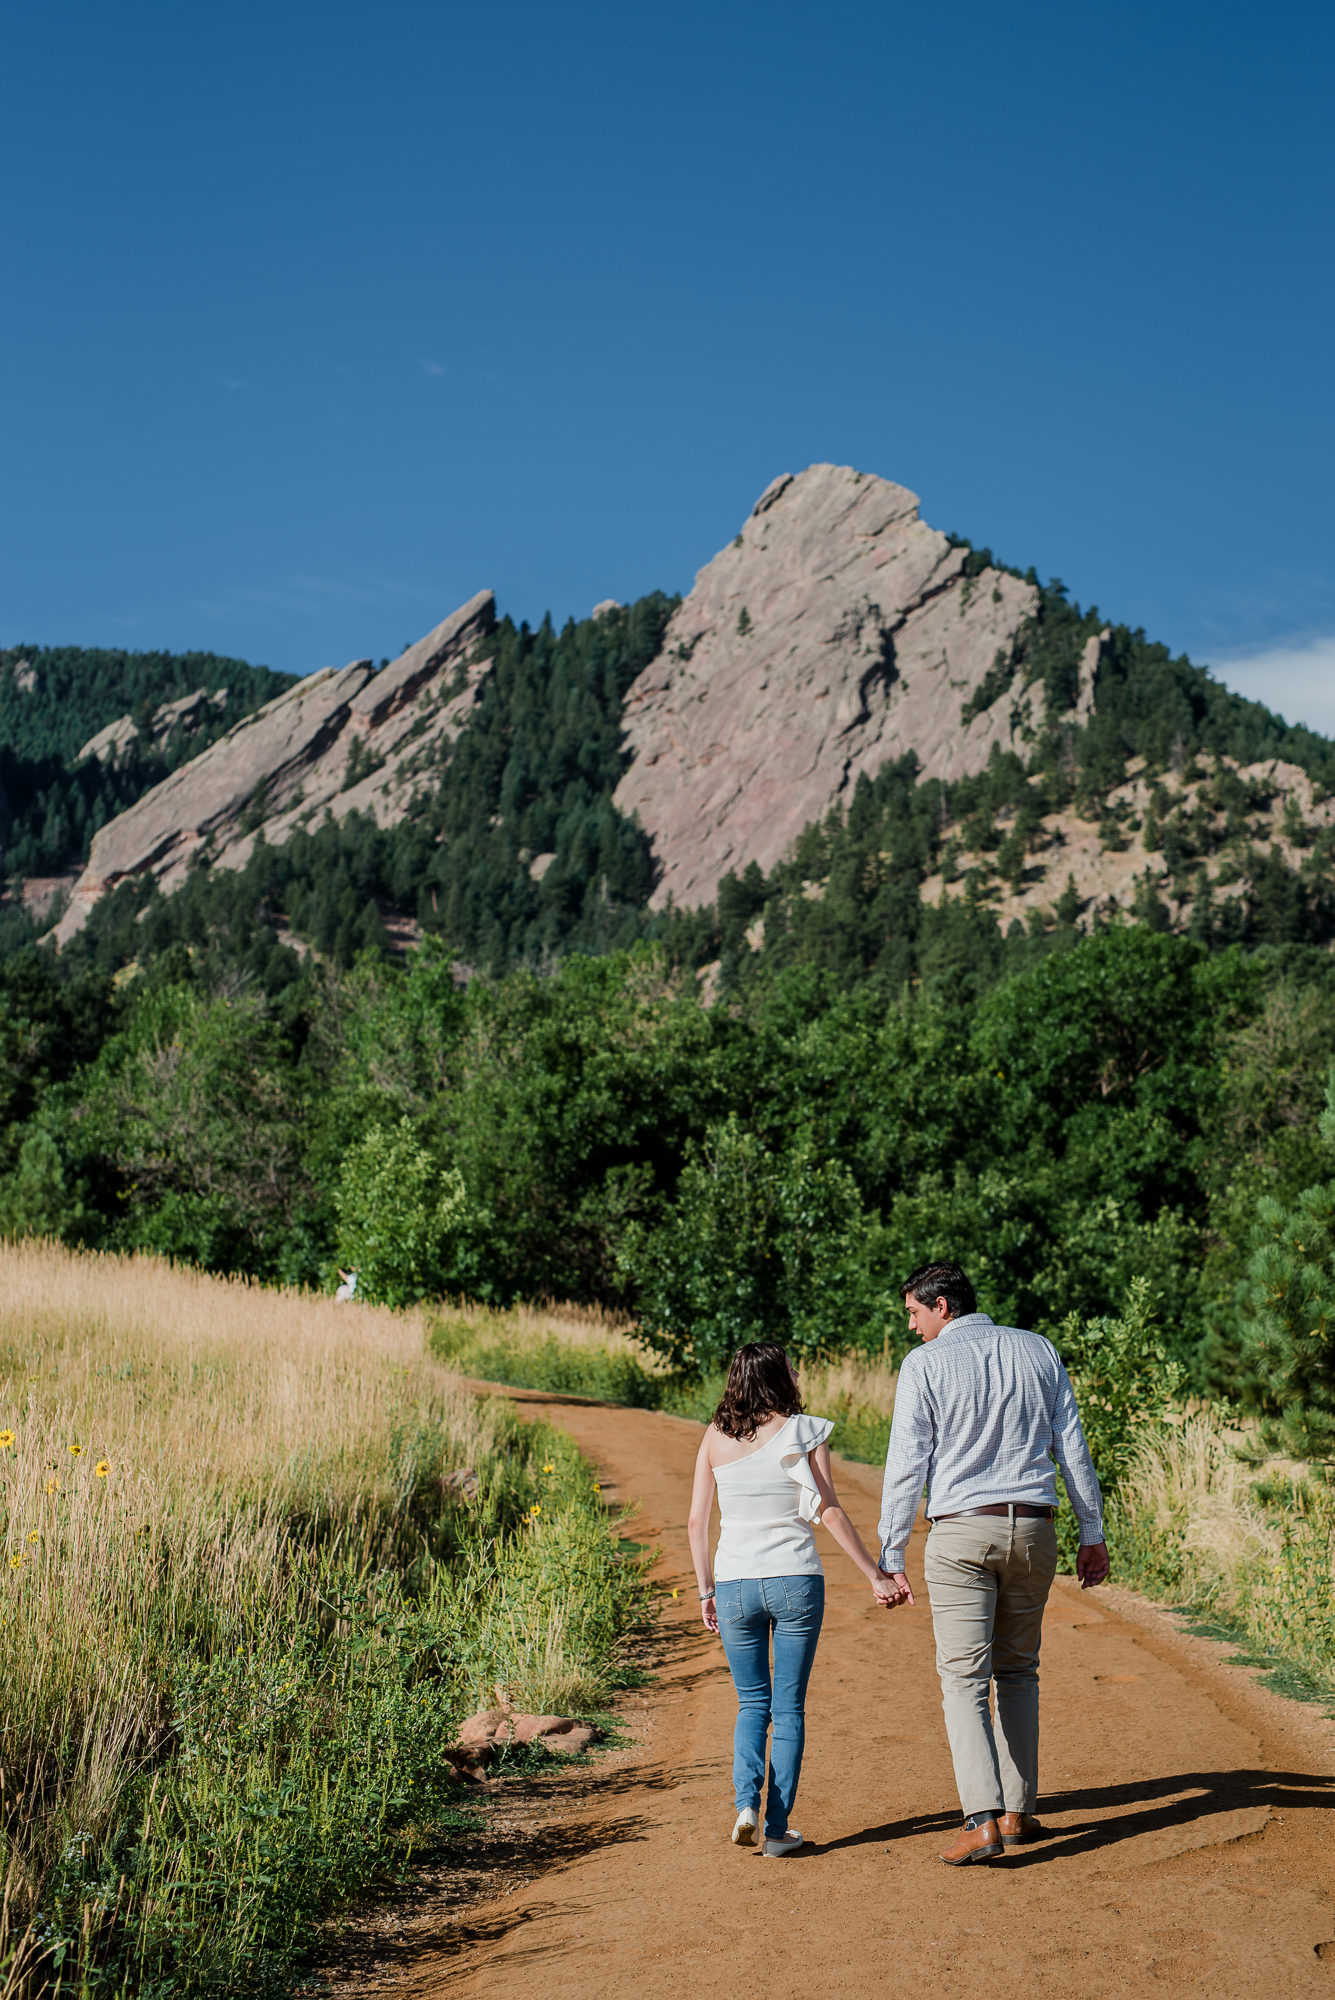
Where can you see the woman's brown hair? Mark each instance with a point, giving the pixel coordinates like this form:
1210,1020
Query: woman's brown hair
760,1385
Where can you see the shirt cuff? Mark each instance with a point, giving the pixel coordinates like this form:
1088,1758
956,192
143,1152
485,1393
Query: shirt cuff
892,1561
1091,1533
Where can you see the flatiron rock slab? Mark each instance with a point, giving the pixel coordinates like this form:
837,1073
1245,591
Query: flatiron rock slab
289,764
836,632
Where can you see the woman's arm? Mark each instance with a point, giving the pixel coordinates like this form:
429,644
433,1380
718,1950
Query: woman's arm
697,1527
839,1525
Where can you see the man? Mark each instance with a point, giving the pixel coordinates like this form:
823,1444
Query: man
979,1411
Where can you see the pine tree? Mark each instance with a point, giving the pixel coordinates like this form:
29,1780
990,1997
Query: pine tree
1287,1306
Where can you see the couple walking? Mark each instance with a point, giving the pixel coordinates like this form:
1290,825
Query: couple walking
980,1413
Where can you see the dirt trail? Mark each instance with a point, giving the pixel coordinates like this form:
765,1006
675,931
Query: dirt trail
1192,1847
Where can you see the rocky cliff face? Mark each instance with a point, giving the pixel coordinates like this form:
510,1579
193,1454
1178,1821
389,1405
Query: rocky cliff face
836,632
338,742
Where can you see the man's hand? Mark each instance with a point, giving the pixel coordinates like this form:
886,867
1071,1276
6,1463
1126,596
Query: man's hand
892,1590
1092,1564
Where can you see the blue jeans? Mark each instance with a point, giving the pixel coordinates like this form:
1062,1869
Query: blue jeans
749,1609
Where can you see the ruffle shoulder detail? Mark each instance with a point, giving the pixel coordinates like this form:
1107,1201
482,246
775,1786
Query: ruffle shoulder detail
802,1436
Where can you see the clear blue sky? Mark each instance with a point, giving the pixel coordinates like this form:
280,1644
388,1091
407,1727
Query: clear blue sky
320,318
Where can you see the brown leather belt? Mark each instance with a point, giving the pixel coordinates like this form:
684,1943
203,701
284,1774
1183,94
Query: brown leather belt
1005,1508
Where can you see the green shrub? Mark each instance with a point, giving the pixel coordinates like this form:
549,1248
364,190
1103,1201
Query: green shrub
760,1246
1125,1382
1286,1305
397,1214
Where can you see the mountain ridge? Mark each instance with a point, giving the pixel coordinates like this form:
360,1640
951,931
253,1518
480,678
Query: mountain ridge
836,638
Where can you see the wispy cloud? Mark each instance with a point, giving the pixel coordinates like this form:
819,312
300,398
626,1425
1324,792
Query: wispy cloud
431,367
231,382
1297,681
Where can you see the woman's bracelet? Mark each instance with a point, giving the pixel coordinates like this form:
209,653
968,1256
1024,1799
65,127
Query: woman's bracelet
706,1594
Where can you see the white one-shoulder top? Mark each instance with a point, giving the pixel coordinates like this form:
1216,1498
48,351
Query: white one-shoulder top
769,1505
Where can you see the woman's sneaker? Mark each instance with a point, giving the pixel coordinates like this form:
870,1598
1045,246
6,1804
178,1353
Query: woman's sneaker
787,1843
747,1828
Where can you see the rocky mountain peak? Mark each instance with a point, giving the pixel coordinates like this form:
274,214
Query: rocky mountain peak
836,631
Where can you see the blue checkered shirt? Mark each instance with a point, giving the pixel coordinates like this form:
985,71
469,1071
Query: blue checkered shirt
980,1412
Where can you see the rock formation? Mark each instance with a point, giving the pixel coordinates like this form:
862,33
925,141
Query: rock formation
836,632
338,742
188,714
1116,861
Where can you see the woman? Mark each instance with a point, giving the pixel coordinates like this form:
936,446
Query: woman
771,1466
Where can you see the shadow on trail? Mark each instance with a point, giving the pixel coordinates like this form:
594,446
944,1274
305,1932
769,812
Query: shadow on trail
1157,1805
441,1930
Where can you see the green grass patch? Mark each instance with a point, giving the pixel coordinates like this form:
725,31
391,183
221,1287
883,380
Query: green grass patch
1273,1670
616,1375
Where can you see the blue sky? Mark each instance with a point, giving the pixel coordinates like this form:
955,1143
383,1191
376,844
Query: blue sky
319,319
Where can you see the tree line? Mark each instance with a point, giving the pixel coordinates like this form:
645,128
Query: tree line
1135,1105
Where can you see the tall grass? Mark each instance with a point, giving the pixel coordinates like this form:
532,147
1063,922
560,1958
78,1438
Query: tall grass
573,1350
1193,1522
260,1555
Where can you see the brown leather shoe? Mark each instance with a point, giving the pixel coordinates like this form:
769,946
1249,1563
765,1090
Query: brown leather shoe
1016,1828
983,1844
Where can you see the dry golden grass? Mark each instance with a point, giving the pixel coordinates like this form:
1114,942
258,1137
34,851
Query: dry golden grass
527,1327
851,1382
1253,1542
574,1350
851,1379
160,1431
1187,1481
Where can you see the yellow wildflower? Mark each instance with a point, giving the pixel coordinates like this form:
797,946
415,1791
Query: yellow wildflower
536,1509
52,1485
34,1536
101,1468
676,1593
16,1561
6,1440
549,1468
597,1487
76,1451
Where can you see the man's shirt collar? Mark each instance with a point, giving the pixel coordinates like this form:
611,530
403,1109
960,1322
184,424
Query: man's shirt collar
963,1321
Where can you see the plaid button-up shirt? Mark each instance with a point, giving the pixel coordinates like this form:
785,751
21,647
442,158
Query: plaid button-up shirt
980,1413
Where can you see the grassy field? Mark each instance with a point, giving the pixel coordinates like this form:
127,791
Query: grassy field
262,1552
260,1555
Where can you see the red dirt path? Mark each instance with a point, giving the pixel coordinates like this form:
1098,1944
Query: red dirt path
1191,1847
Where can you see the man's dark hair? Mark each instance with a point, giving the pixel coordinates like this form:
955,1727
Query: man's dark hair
931,1282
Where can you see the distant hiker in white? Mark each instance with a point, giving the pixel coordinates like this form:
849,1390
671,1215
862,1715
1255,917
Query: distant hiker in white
348,1289
980,1411
770,1465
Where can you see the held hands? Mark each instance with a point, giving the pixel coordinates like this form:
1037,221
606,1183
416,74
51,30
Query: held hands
1092,1564
892,1590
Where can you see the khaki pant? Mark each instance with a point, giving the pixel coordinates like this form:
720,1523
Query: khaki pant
988,1579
